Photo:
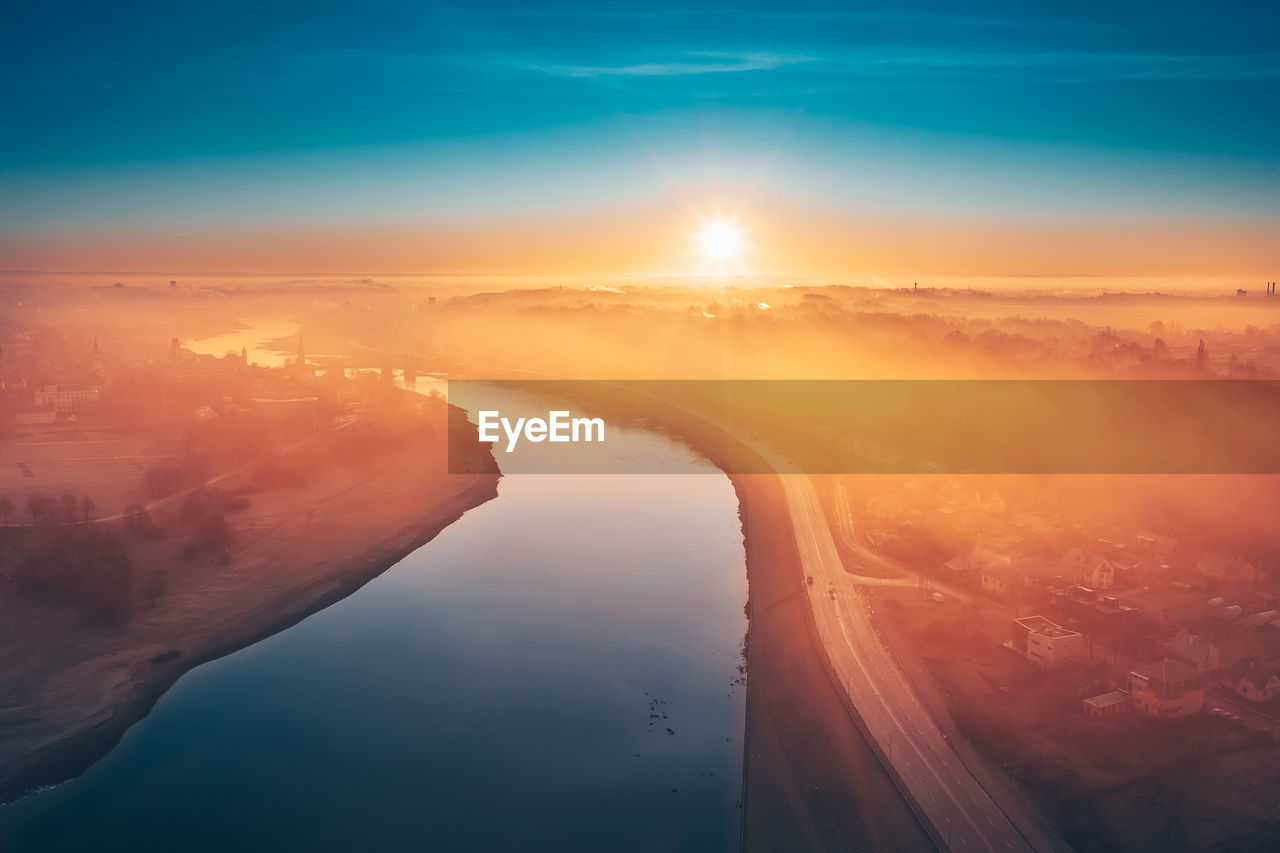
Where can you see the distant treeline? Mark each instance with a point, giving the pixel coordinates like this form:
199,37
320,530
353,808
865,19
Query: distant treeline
47,509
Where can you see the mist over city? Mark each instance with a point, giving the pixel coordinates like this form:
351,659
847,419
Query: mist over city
633,427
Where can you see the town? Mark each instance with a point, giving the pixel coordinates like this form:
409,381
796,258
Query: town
1068,645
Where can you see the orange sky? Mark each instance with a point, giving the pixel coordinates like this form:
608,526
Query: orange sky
662,239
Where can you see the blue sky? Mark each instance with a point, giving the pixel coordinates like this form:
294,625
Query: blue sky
105,82
231,112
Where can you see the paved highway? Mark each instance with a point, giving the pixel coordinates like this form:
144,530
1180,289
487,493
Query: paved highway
954,803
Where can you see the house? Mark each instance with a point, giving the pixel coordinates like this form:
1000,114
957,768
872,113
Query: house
1098,573
1106,705
1044,642
1230,613
1008,580
999,581
1195,651
1031,570
1222,567
1254,681
1257,620
958,566
1087,569
1102,612
1154,545
65,398
1166,688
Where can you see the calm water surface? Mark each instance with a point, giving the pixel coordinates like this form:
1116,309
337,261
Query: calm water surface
508,686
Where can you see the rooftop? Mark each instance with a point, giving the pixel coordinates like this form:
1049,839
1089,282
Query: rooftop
1041,625
1165,671
1107,700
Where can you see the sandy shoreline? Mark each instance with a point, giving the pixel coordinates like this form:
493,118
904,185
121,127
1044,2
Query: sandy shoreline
71,691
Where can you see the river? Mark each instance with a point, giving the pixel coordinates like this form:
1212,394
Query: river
557,670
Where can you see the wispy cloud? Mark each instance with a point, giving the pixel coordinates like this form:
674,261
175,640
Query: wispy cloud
1062,67
695,62
815,16
929,66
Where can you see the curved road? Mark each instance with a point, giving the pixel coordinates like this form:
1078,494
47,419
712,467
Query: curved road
953,804
962,814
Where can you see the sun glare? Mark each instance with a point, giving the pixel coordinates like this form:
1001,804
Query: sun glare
721,242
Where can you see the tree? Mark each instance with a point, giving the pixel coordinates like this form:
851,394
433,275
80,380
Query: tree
134,516
137,520
87,566
212,532
41,508
69,507
6,507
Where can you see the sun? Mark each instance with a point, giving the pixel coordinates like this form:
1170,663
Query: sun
721,242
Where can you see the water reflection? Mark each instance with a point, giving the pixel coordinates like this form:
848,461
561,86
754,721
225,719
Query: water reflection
261,340
554,671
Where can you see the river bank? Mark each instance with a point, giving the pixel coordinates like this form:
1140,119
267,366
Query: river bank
811,781
71,685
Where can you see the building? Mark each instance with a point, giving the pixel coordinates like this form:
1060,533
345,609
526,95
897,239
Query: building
298,368
957,567
1195,651
1221,567
1009,581
999,581
66,398
95,363
1159,548
32,418
1096,611
1254,681
1031,570
1106,705
1045,643
1082,568
1166,688
1257,620
1098,573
